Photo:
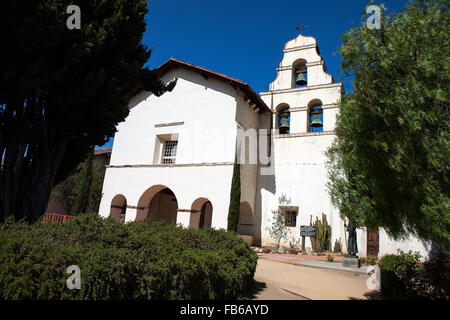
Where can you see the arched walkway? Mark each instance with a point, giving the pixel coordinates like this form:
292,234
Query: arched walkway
118,207
157,203
201,214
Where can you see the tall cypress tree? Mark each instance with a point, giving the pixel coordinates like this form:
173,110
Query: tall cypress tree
63,91
235,197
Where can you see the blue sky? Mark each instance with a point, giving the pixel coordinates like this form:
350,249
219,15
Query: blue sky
244,39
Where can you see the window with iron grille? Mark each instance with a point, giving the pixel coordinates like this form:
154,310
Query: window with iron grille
170,151
290,218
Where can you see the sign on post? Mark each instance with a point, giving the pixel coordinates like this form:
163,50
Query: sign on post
307,231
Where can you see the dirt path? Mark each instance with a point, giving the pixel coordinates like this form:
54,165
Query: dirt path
283,281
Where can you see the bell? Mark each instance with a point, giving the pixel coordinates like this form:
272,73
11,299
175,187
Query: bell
316,122
284,127
300,80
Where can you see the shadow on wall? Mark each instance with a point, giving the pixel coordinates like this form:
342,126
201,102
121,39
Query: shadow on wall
266,183
118,207
246,223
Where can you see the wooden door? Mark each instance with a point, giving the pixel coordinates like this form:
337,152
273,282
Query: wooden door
372,243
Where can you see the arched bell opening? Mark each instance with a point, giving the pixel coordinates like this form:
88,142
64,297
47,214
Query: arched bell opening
201,214
157,203
315,116
118,207
283,118
300,74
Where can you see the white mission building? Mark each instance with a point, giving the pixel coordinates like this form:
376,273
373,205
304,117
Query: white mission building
170,161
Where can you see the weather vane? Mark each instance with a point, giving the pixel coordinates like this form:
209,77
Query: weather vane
301,28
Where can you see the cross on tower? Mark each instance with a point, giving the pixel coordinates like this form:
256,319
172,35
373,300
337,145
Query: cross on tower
301,28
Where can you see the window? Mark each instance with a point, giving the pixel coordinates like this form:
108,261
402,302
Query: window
290,218
166,146
170,151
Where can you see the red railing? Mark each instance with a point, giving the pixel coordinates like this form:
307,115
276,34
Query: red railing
54,217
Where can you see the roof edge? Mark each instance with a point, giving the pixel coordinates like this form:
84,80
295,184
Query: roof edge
244,86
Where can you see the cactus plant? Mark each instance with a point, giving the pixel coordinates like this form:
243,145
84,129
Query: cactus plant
337,246
323,234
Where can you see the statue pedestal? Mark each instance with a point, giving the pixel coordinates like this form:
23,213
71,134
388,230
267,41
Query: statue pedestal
351,261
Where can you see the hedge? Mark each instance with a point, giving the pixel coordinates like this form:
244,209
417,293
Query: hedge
122,261
399,274
403,277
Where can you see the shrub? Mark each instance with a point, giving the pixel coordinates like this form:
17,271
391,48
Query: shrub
330,258
436,277
362,260
122,261
372,261
399,274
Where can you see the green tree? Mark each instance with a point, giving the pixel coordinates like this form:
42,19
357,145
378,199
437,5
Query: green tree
235,197
95,195
389,166
85,185
63,91
66,192
278,230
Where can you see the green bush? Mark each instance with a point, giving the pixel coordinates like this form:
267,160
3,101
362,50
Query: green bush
372,261
330,258
436,277
122,261
362,260
399,275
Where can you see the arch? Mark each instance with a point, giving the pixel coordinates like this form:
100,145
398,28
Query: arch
246,222
201,214
299,67
282,112
157,203
315,109
118,207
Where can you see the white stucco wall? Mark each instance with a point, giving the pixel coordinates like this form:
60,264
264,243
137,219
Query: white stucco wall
301,175
204,113
206,109
187,183
301,48
299,161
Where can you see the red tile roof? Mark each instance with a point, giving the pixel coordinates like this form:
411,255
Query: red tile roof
252,95
102,151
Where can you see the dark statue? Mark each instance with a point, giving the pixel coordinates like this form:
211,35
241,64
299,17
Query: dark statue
352,247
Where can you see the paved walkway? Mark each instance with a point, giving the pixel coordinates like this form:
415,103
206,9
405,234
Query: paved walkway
335,266
294,258
287,281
